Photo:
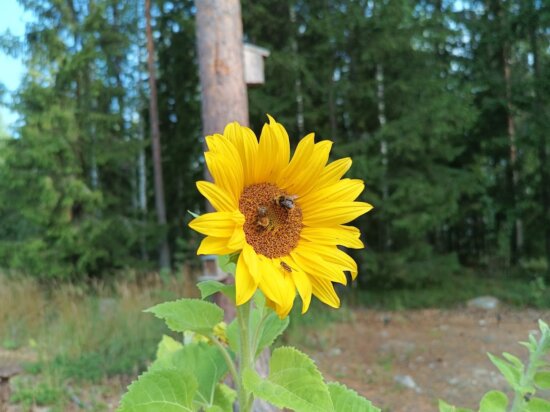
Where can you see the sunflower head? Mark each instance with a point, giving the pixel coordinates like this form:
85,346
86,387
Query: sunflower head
285,216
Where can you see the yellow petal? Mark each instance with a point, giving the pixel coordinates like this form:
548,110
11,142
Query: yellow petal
333,172
303,153
219,198
314,265
273,154
308,173
330,254
251,259
303,284
324,290
237,240
226,174
214,246
277,285
246,143
217,224
336,235
335,213
345,190
245,284
283,145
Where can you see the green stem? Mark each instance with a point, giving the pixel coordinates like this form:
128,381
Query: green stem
527,378
246,357
228,360
255,340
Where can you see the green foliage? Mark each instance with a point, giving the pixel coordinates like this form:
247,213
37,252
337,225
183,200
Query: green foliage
293,382
493,401
41,393
348,400
167,390
210,287
189,314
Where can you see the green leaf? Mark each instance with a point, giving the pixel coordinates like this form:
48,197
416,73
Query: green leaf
543,326
514,360
344,399
493,401
293,382
228,263
224,397
209,287
160,391
189,314
542,380
510,372
206,363
271,328
165,352
537,405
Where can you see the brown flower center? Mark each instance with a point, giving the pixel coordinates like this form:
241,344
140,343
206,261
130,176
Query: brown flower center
273,219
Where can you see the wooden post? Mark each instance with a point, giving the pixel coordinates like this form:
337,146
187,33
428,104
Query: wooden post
164,251
223,87
224,94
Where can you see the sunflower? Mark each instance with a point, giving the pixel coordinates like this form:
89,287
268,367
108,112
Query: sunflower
285,217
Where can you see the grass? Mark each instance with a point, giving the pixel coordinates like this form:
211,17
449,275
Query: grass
67,335
84,343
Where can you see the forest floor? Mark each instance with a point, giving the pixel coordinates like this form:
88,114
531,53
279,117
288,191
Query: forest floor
402,361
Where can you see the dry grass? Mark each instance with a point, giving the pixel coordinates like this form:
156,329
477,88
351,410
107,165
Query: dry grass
77,332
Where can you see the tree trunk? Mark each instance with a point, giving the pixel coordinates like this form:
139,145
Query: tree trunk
221,64
298,79
223,88
517,234
224,96
380,93
516,239
164,251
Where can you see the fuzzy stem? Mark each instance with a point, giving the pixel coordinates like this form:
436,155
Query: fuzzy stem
227,357
246,398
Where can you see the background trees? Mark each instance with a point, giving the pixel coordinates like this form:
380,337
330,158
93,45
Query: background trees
444,107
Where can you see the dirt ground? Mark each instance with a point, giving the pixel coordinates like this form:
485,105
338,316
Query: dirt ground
401,361
406,361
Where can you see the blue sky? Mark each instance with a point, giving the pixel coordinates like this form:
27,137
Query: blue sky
13,18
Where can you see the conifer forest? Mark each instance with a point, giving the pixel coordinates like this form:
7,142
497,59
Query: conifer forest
444,107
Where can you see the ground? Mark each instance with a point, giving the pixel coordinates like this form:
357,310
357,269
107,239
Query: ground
402,361
406,361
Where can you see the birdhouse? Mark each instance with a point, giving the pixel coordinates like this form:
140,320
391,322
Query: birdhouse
254,64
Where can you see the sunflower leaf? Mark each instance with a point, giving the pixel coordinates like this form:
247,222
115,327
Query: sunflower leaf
224,397
510,372
210,287
161,391
165,352
293,382
228,263
345,399
193,214
537,405
207,365
189,314
270,329
493,401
